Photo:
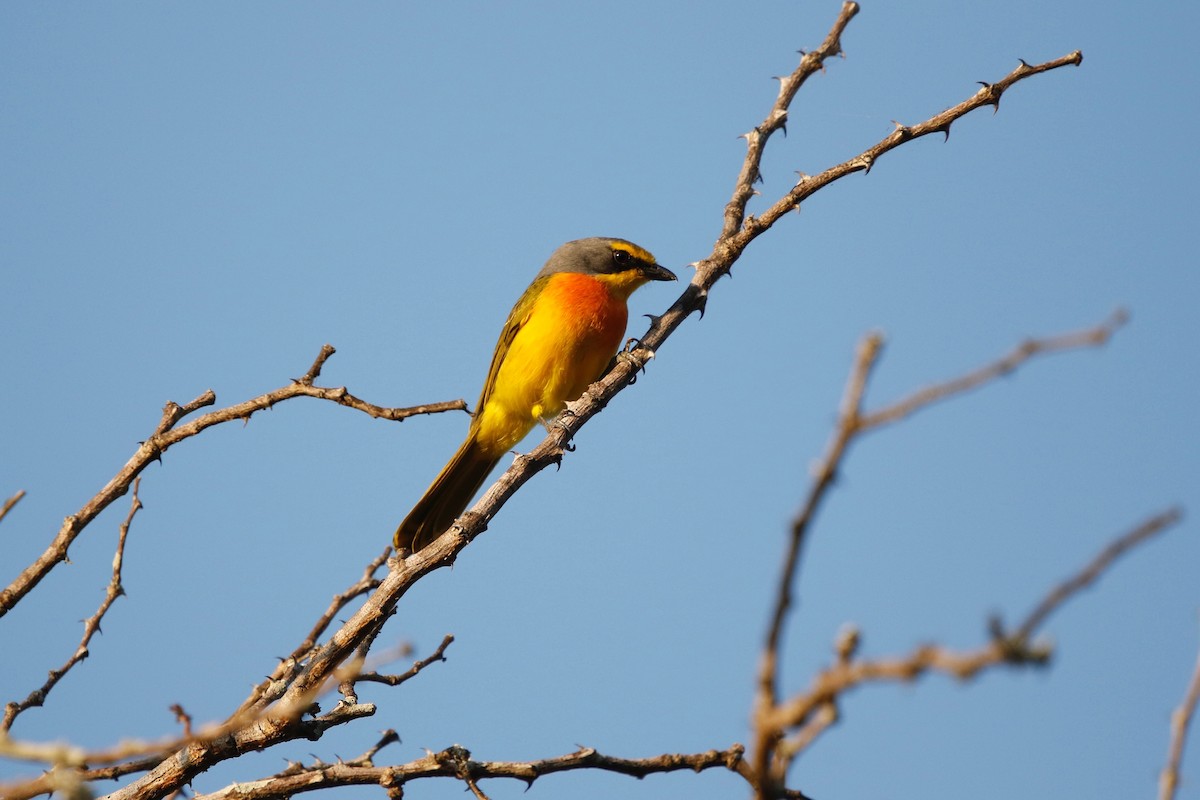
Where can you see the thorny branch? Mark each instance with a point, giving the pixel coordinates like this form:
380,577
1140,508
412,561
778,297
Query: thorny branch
274,712
456,762
728,248
167,435
395,680
342,644
73,766
776,119
288,666
90,627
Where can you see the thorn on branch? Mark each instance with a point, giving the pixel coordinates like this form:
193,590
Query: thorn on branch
701,302
993,92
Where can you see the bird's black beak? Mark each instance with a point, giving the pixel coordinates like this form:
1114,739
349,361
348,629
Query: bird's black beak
654,272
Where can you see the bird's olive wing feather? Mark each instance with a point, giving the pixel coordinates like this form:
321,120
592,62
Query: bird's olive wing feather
516,320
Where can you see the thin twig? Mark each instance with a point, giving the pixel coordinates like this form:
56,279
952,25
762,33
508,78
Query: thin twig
1181,721
830,684
852,422
766,697
288,667
826,717
10,502
90,627
1091,337
395,680
389,737
1092,571
988,95
776,119
167,435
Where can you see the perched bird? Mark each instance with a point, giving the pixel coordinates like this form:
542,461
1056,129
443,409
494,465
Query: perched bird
558,339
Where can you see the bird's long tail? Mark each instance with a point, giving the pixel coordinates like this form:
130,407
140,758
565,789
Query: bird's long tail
446,497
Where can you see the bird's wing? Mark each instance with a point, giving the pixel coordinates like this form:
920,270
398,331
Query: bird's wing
516,320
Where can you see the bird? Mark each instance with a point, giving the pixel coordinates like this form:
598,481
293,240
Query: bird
560,336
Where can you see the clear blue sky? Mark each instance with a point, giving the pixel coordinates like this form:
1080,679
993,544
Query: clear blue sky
199,196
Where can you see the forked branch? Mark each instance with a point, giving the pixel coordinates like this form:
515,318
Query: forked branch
167,434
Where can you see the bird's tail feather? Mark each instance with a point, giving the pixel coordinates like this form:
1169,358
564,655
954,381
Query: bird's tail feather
446,497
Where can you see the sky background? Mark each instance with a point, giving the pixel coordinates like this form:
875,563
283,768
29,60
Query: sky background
198,196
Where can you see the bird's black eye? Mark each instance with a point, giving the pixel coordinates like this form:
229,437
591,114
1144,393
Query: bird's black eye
621,258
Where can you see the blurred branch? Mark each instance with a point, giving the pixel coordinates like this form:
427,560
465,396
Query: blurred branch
1090,337
287,668
1092,571
1181,721
74,766
90,627
166,435
1016,649
169,764
456,762
852,422
395,680
10,502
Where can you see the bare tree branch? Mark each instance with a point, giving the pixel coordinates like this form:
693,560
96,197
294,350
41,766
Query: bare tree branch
442,552
395,680
166,435
90,627
287,667
1093,570
988,95
1090,337
1181,721
766,696
456,762
72,766
10,502
1015,649
852,422
776,119
275,712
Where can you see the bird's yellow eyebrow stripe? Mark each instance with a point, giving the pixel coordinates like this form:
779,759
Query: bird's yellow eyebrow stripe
635,251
